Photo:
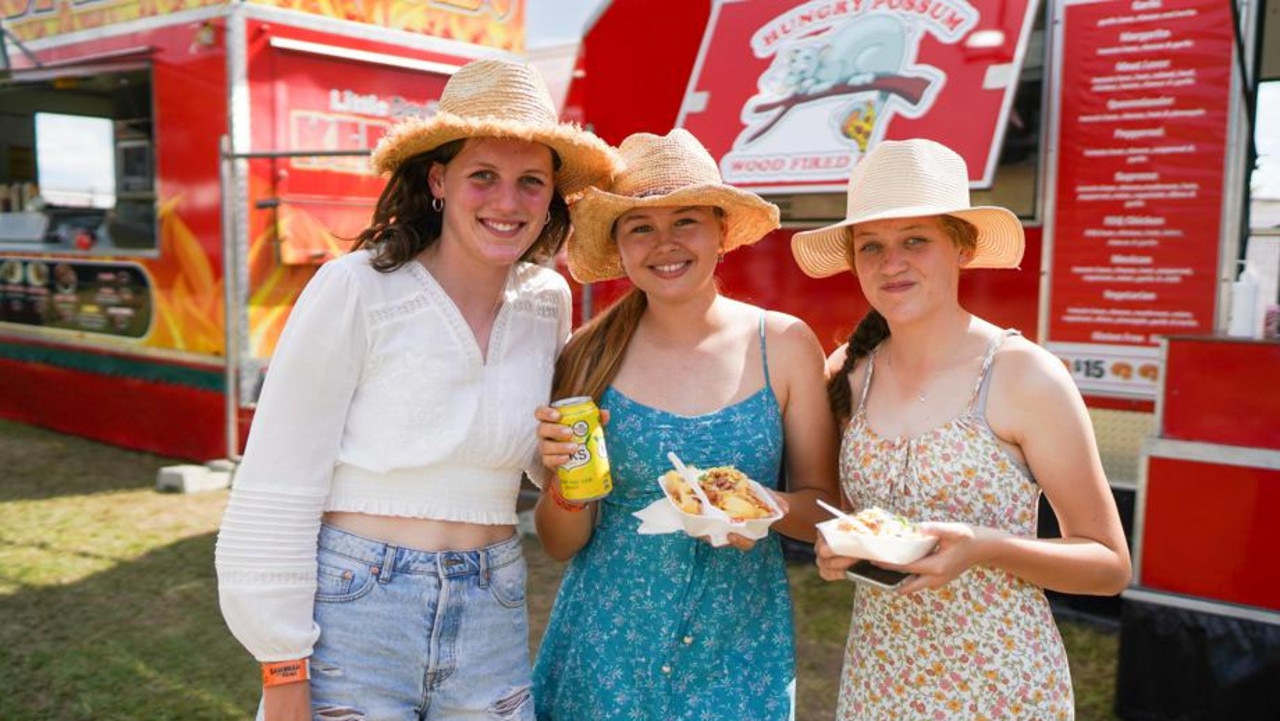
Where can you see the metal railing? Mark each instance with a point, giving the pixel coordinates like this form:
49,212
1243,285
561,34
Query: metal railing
235,245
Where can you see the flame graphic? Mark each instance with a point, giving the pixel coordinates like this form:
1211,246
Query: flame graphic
188,292
274,286
494,23
304,243
188,289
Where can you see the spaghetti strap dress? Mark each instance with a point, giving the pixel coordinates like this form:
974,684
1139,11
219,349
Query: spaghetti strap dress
984,646
665,627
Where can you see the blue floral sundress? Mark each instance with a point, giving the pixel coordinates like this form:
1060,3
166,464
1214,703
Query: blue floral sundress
666,627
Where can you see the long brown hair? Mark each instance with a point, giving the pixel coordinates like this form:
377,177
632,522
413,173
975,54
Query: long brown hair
873,329
404,223
591,359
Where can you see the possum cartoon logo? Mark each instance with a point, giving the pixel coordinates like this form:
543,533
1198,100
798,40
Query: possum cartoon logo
863,63
834,82
853,55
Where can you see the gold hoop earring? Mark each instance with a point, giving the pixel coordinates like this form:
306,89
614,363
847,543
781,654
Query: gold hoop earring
437,204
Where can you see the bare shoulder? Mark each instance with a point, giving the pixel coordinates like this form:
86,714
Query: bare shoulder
1029,388
795,356
1027,368
787,338
789,333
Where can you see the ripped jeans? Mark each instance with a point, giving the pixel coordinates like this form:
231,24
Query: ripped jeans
411,635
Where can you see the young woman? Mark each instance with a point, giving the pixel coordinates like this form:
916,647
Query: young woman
959,425
666,627
368,556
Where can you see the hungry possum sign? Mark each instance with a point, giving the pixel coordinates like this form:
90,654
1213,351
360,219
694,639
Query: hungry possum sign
789,95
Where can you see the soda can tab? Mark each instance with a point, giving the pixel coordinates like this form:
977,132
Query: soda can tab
585,477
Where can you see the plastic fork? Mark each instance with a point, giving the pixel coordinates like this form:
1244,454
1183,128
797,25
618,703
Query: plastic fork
834,511
692,480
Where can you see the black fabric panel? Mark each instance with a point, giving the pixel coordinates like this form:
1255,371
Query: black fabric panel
1182,665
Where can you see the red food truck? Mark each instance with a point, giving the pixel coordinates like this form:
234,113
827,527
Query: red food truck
173,172
1119,131
140,297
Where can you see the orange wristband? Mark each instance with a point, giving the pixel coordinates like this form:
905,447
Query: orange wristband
278,673
554,489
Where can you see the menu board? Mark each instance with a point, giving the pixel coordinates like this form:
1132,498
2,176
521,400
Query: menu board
1139,184
106,298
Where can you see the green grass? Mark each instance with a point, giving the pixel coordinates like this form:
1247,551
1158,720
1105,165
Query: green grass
1092,655
108,608
108,602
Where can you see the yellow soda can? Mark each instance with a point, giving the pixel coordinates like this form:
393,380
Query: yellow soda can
585,477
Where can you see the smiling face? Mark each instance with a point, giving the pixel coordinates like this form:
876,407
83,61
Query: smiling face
496,194
907,267
670,251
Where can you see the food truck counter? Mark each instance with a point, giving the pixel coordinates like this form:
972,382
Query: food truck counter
1200,634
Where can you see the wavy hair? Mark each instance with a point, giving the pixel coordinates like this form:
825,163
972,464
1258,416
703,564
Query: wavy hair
873,329
404,224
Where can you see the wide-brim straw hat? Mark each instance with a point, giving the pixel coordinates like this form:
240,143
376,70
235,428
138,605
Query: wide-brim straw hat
674,170
501,99
910,179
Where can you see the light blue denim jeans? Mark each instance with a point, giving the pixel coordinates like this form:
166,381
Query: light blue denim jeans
411,635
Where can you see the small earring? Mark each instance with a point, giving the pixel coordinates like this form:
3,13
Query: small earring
720,257
437,204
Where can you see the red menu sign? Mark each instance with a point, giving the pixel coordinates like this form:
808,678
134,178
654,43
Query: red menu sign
790,95
1139,194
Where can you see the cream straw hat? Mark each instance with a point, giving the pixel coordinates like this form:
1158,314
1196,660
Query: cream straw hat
910,179
503,99
674,170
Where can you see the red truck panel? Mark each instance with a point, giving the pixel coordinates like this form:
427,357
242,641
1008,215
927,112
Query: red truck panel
1222,390
1207,531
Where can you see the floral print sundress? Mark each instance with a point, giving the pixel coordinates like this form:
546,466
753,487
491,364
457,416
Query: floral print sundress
985,646
665,627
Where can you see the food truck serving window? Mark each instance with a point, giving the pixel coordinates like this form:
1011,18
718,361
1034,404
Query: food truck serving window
75,161
76,169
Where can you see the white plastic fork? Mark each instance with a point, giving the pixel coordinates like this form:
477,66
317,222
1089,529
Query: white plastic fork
692,480
834,511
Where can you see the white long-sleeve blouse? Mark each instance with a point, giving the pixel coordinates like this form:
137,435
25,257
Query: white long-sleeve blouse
378,400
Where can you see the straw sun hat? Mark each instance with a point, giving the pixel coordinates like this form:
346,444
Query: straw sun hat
504,99
674,170
910,179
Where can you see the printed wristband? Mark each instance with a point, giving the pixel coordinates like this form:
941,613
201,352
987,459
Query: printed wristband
554,489
278,673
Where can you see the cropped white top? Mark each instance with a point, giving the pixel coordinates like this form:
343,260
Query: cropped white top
379,401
